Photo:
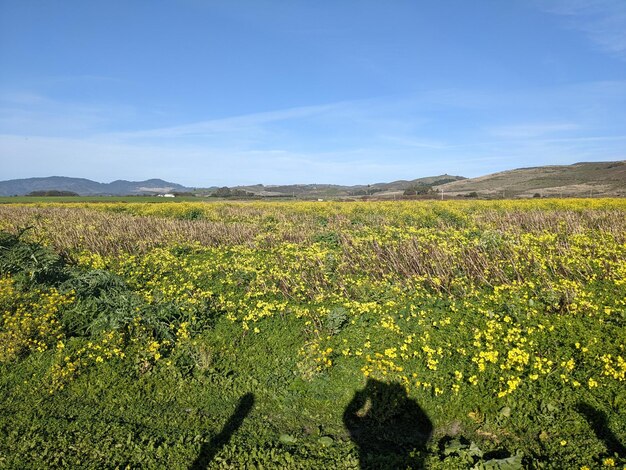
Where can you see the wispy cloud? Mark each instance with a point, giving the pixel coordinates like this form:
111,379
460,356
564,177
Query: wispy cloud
603,21
201,166
467,132
23,98
230,124
32,113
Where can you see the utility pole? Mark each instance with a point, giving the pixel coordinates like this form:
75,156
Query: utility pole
442,194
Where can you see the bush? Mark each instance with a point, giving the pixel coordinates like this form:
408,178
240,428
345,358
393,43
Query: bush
32,263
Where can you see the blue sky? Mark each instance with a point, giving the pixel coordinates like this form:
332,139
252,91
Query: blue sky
238,92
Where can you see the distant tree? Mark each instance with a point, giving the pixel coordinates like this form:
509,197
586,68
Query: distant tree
418,189
227,192
52,193
365,192
536,195
222,192
240,193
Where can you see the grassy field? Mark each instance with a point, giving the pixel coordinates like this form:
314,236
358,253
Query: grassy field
313,335
78,199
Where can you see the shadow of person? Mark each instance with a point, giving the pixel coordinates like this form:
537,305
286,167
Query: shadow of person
599,423
211,448
387,426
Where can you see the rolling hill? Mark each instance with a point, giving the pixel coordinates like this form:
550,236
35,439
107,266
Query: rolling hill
333,190
577,180
85,187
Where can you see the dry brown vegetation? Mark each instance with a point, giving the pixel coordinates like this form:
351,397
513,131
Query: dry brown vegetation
69,229
485,245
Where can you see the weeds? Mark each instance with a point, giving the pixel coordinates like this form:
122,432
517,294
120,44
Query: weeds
504,321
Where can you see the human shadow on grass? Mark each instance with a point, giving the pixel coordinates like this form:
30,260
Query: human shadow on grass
599,423
390,429
211,448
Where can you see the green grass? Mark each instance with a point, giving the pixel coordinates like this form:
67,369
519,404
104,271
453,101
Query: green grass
230,396
109,199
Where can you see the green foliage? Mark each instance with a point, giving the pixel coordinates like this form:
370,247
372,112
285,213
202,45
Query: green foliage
455,311
418,189
103,300
336,320
103,303
31,263
331,239
192,214
53,193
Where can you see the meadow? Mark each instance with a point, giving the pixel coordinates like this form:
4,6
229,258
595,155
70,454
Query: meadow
303,334
94,199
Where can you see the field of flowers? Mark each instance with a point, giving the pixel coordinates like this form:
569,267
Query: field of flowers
239,335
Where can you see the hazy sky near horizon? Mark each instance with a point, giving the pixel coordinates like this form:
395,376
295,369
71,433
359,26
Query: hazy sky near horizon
231,92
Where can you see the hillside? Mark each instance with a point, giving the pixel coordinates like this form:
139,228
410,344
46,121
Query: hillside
579,179
85,187
332,190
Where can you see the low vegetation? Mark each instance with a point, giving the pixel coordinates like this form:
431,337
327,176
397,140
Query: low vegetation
52,193
298,335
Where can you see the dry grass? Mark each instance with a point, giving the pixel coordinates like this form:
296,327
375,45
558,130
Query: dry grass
482,243
69,230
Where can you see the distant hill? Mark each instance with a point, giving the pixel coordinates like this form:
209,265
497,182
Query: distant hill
579,179
333,190
85,187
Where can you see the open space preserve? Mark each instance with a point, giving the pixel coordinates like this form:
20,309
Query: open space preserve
313,335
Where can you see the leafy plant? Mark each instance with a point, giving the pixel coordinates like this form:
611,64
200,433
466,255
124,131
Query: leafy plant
33,263
336,320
